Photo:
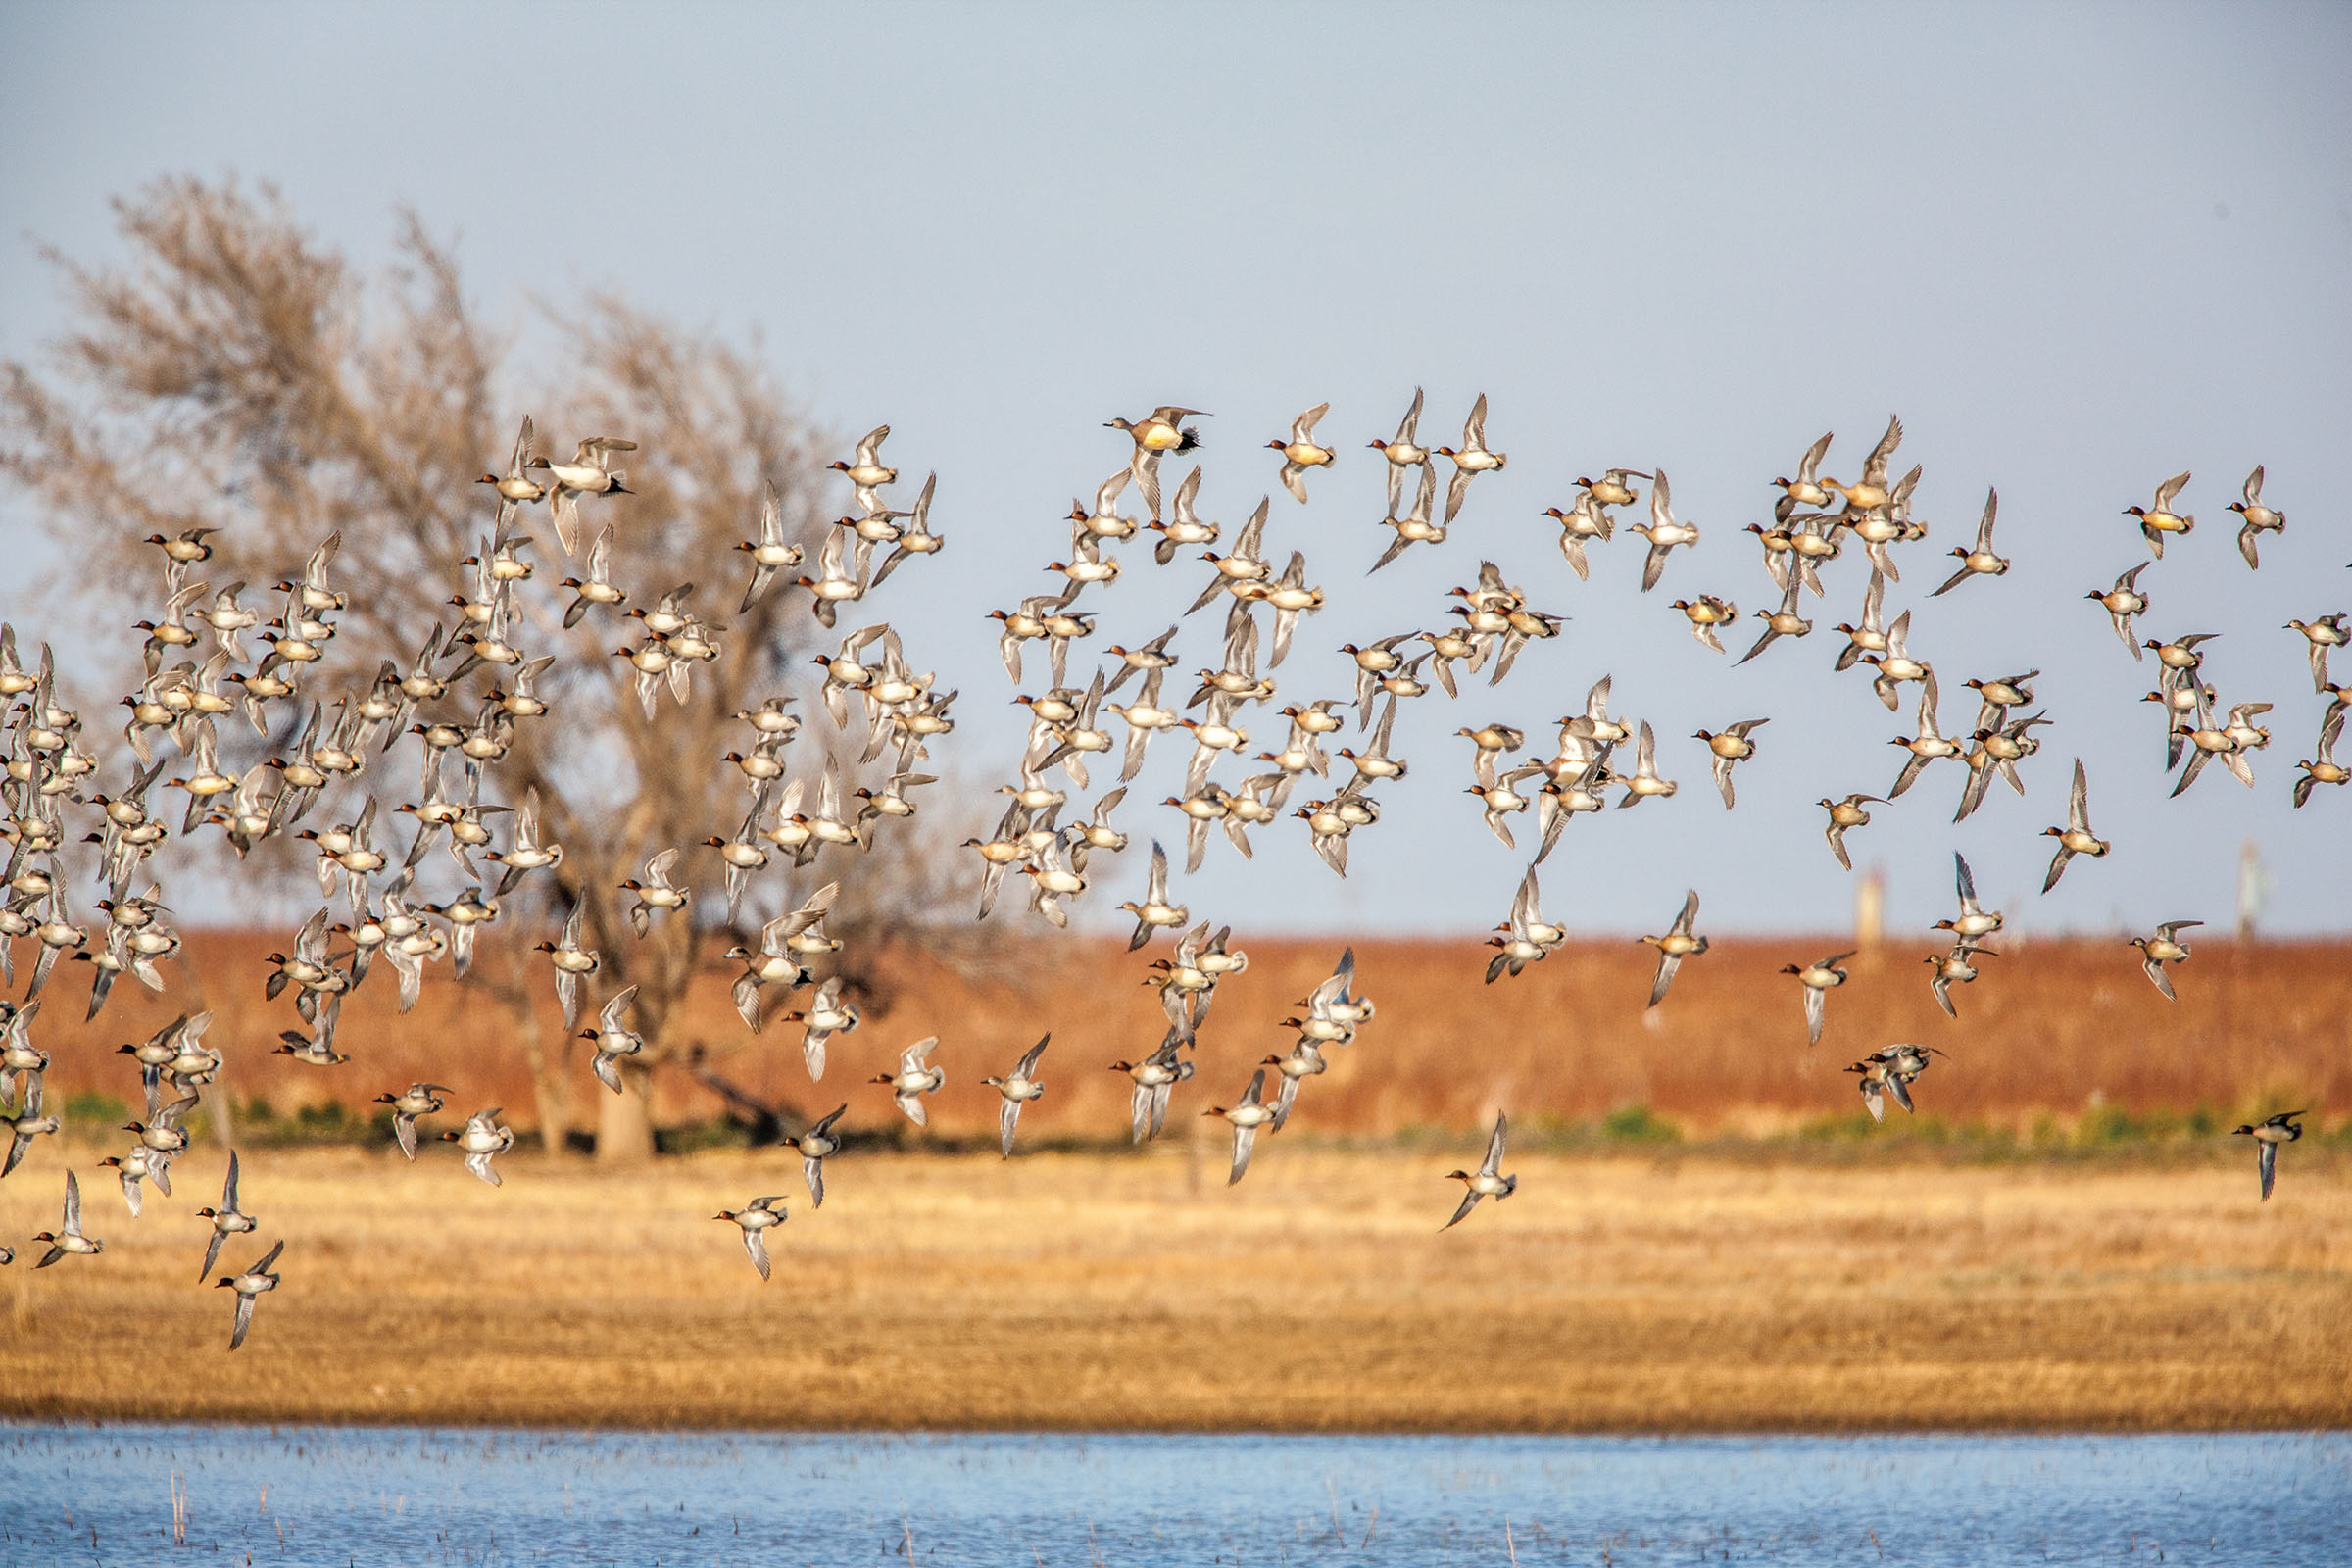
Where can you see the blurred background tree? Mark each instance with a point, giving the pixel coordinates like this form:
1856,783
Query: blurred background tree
233,373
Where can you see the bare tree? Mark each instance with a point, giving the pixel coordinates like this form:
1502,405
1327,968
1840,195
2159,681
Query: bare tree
236,375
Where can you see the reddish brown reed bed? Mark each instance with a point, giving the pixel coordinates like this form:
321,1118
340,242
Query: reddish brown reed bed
2054,1027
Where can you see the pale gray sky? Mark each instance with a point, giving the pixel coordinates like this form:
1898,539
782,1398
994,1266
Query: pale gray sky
2078,248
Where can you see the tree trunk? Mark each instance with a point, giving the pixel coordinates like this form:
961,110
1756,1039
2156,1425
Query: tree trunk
624,1122
551,1083
551,1095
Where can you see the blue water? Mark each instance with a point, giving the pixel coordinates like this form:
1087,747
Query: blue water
103,1495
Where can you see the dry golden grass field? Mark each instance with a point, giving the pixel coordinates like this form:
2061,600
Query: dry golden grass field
1681,1290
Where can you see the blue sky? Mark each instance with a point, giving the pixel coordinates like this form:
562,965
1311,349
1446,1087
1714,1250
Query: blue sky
2080,249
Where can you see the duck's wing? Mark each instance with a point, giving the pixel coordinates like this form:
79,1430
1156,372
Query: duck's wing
755,1243
1474,428
1244,1139
1661,500
1813,1014
606,1073
813,910
1993,502
1668,965
1493,1164
1653,565
310,944
2266,1155
1405,430
2078,805
1469,1203
2166,491
1425,495
1247,544
1028,1065
1808,468
1457,489
1874,467
1901,1091
1525,909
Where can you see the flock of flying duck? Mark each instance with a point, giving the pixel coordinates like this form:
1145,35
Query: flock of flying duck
1490,621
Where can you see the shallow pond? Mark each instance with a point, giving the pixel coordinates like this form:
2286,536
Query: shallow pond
323,1494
